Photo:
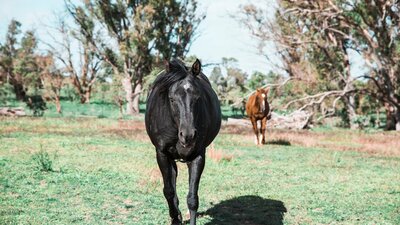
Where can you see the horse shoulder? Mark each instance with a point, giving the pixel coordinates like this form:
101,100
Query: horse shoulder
250,105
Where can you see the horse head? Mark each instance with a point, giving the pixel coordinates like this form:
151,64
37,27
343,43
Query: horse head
262,98
183,98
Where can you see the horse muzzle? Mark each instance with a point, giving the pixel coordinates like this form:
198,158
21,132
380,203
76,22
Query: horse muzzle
187,137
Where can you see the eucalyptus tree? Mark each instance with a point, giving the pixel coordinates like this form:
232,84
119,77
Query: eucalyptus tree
52,80
74,51
18,60
321,33
138,35
369,27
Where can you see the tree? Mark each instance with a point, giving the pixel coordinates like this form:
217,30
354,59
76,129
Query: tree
257,79
218,83
175,25
324,31
18,61
76,53
230,85
138,29
8,57
52,80
371,28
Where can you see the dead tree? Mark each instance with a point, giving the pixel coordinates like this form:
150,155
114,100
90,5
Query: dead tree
83,73
52,80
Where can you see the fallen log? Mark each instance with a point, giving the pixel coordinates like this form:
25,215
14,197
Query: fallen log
7,111
297,120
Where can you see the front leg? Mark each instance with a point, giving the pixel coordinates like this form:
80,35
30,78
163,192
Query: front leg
255,129
263,128
195,170
169,173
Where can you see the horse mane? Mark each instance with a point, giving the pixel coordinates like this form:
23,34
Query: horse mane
176,72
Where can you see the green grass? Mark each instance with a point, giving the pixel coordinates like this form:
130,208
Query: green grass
97,108
103,171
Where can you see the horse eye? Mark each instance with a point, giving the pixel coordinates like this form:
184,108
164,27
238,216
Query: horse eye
171,99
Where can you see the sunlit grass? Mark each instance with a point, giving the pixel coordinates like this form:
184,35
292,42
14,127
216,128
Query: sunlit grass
104,172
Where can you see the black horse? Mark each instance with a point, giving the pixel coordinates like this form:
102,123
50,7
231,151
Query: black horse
183,116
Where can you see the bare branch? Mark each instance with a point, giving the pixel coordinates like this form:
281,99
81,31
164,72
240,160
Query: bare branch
278,85
318,98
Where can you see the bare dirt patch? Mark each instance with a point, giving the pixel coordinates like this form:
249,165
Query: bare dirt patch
378,143
128,129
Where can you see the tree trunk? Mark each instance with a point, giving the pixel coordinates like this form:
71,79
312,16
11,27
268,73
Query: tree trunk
390,117
394,117
397,120
20,93
120,104
136,96
83,99
58,104
378,118
349,98
351,111
85,95
127,84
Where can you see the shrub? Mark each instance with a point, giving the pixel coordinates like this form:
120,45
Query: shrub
43,161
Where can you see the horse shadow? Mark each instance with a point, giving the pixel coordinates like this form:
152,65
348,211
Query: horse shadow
249,209
279,142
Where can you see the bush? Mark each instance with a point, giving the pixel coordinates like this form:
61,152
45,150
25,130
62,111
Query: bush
37,105
43,161
363,121
6,94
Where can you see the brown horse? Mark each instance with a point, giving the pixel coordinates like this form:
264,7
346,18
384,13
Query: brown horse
257,108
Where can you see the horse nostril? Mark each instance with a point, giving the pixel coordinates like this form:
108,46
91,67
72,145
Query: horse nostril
187,136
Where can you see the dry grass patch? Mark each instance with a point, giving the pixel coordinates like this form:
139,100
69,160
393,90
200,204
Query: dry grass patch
153,178
128,129
218,155
380,143
385,144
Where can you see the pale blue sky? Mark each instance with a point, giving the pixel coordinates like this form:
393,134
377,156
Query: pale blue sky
219,34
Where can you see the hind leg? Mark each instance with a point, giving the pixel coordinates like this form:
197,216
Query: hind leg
169,173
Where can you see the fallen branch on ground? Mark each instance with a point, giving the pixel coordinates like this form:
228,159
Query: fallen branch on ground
297,120
12,111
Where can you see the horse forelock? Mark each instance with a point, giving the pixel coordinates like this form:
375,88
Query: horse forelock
176,72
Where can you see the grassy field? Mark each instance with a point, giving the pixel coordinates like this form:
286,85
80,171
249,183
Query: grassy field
103,171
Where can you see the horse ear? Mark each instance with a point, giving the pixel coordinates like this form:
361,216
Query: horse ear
266,90
196,67
258,90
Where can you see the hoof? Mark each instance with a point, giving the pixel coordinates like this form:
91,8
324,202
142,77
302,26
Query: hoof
177,221
187,216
